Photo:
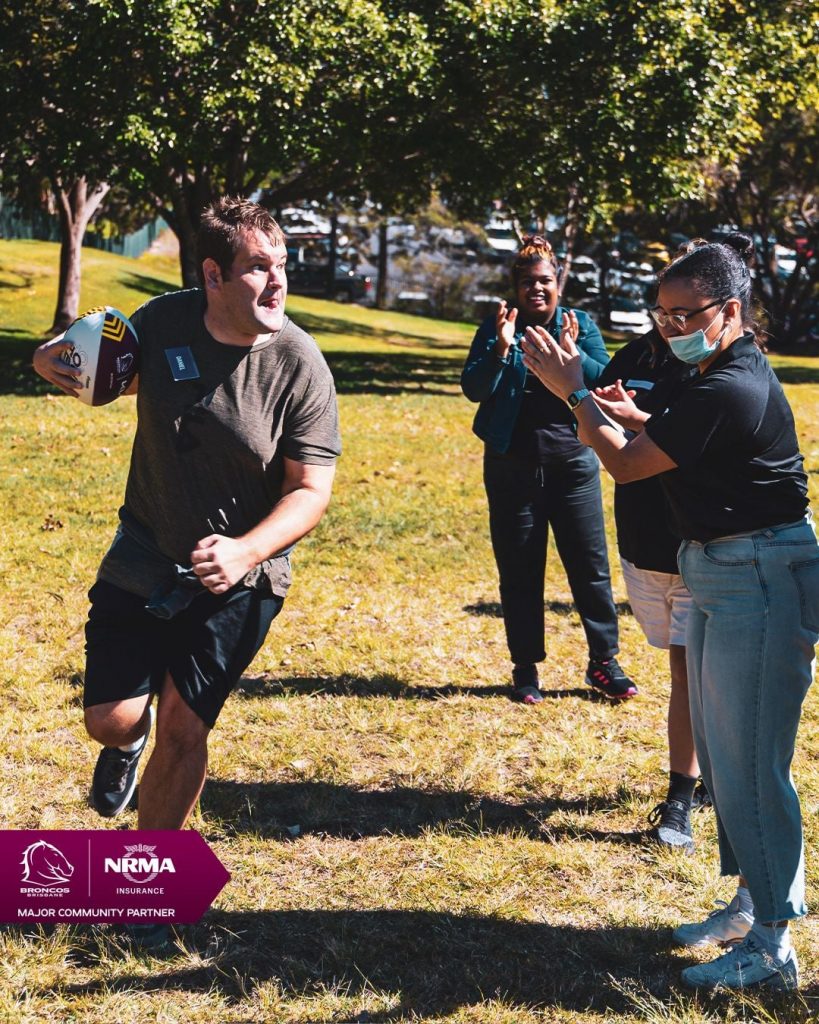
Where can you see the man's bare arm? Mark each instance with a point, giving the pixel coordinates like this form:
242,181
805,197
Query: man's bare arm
221,561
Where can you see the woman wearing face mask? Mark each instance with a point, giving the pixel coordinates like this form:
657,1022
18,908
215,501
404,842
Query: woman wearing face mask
537,474
728,459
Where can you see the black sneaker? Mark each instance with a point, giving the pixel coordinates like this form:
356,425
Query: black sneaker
115,776
672,821
148,938
610,679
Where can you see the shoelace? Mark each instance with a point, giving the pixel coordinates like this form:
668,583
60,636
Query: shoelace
721,906
115,769
671,814
742,953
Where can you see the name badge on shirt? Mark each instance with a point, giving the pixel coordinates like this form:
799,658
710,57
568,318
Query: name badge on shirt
183,365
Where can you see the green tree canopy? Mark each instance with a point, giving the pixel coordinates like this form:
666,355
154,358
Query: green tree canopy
303,98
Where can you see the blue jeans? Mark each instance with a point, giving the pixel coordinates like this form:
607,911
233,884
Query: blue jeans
525,499
752,628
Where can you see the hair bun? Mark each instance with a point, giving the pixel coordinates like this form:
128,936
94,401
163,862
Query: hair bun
742,244
535,242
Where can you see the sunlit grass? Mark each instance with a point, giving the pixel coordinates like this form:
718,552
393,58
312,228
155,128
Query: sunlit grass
405,843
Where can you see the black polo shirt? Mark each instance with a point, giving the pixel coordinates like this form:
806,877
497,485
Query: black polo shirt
641,511
730,431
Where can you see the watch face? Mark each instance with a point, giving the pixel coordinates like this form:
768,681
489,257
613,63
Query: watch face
576,397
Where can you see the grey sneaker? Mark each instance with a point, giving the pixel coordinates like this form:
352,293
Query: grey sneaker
672,821
724,926
115,776
747,965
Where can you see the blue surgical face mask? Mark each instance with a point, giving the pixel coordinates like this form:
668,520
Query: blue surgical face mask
693,348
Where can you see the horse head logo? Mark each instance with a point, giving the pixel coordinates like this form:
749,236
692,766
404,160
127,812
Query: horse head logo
45,865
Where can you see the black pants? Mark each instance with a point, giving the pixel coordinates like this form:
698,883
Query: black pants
524,500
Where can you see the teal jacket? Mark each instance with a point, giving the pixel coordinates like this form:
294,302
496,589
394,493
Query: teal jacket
498,383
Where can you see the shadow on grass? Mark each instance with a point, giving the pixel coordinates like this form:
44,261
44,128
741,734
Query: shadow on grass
355,373
25,280
381,686
272,809
17,377
793,374
493,609
393,373
434,962
340,325
149,286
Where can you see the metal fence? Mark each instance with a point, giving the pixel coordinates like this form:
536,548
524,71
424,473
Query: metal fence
45,227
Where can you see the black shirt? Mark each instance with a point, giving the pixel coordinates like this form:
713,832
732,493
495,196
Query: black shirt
731,432
641,511
545,428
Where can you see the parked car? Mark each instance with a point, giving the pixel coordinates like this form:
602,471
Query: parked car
629,316
584,270
308,270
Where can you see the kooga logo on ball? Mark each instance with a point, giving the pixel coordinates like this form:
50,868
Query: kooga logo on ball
140,864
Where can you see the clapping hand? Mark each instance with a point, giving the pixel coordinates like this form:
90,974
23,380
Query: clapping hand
557,366
616,402
505,323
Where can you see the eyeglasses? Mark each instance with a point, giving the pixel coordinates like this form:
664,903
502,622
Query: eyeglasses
677,320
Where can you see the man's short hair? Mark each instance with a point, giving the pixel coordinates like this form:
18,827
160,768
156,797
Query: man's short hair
222,226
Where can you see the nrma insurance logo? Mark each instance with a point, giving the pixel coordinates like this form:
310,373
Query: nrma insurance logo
140,865
46,870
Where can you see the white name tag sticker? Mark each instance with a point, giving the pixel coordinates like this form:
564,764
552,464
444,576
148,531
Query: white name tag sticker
183,365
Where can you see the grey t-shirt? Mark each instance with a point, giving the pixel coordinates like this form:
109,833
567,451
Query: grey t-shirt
208,454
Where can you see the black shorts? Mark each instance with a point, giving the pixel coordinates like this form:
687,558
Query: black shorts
206,647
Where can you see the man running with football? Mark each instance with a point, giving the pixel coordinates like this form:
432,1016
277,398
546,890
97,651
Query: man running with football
232,463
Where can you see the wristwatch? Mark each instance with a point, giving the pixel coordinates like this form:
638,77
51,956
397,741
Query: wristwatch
576,397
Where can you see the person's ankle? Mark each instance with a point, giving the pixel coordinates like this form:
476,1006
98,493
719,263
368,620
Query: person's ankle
524,675
774,937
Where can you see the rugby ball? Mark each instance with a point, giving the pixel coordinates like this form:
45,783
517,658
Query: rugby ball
104,351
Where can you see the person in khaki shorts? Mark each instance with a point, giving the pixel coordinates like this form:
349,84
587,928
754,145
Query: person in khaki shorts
649,374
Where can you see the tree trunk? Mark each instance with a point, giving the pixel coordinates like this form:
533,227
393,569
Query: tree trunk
570,232
604,266
76,206
188,263
332,253
383,265
189,197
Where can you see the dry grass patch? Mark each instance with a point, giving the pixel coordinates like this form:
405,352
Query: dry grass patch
405,843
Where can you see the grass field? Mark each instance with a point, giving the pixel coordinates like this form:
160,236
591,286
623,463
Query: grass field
405,843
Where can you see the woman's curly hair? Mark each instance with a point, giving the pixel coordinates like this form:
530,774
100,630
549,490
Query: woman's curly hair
534,249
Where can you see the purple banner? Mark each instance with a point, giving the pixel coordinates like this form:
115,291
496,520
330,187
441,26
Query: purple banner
112,876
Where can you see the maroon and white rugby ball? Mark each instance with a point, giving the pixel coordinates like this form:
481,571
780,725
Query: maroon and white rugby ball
105,352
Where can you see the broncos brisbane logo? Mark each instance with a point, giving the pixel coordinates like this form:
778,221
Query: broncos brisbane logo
45,865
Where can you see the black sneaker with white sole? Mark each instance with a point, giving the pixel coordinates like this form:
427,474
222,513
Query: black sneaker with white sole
115,776
607,677
672,825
